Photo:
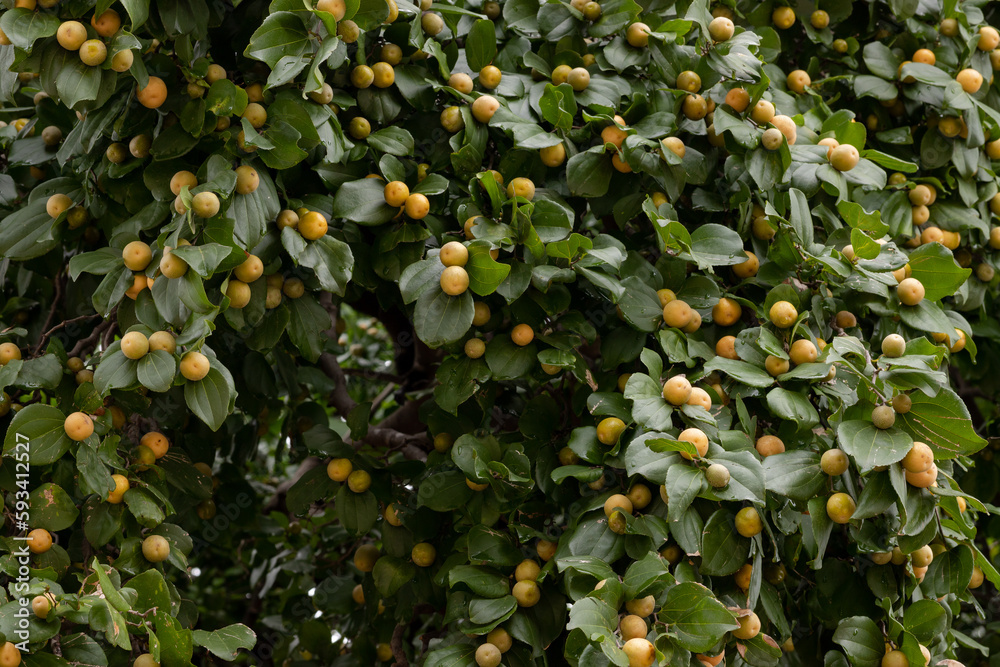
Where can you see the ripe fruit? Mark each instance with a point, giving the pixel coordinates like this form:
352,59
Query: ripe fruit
482,314
359,481
521,187
78,426
895,658
675,146
71,35
385,75
489,77
250,270
700,397
145,660
717,475
769,445
416,206
689,81
527,593
339,469
615,503
677,390
803,351
834,462
783,314
677,314
798,80
172,266
194,366
747,269
721,28
487,655
922,480
137,256
41,605
762,112
970,80
637,35
57,204
640,651
122,61
247,181
910,291
726,312
883,417
632,626
553,156
484,107
522,334
749,627
107,23
840,508
776,366
783,17
738,99
609,430
155,548
578,79
454,280
977,577
135,345
93,52
819,19
238,293
395,193
461,82
527,570
180,179
919,459
989,38
748,522
205,204
697,438
154,94
454,253
844,157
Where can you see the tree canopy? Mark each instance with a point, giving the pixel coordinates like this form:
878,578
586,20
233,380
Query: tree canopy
466,333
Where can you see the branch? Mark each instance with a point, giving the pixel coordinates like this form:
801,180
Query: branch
90,341
60,278
397,647
62,325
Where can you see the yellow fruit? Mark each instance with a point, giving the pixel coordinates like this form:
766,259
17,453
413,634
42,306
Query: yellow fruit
840,508
195,366
155,548
783,314
798,80
749,268
721,28
487,655
919,459
527,593
637,35
910,291
640,651
154,94
454,280
484,107
135,345
834,462
769,445
522,335
78,426
697,438
749,625
970,80
748,522
359,481
71,35
677,314
677,390
844,157
609,430
121,486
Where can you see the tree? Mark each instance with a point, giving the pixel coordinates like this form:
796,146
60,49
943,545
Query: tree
446,334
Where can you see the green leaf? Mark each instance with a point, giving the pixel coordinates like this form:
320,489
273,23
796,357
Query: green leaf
795,474
485,273
226,642
52,508
594,617
281,34
696,617
936,269
210,398
440,319
943,422
925,620
37,430
144,506
24,26
332,261
479,579
724,551
792,406
746,373
588,174
156,370
115,371
648,405
481,44
862,641
357,511
870,446
363,202
392,140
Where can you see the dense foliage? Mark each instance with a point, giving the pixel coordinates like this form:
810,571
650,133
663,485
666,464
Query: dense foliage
594,332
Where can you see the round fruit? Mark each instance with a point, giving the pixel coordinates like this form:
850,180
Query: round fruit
553,156
484,107
726,312
487,655
155,548
454,253
157,443
803,351
195,366
637,35
454,280
798,80
206,204
247,181
71,35
840,508
609,430
922,480
893,346
844,157
748,522
474,348
919,459
883,417
137,256
632,626
135,345
769,445
819,19
717,475
970,80
783,17
339,469
57,204
747,269
677,390
677,314
527,593
423,554
172,266
697,438
78,426
93,52
749,627
359,481
721,28
640,651
783,314
522,335
834,462
154,94
910,291
772,139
